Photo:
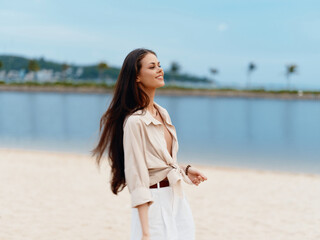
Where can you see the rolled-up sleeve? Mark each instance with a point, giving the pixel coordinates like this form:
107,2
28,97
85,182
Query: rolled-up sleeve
135,165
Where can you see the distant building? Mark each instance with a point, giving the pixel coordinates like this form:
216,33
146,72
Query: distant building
79,72
22,73
2,75
45,75
12,75
30,76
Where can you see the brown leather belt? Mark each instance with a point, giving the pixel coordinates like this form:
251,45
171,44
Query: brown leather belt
163,183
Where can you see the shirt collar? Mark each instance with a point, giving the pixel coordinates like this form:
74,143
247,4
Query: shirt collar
148,118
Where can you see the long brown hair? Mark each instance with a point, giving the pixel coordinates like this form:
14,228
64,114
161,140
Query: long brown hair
127,98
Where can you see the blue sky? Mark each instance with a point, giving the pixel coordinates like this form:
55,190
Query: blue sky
226,35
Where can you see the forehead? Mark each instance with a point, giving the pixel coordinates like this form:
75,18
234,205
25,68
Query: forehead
149,58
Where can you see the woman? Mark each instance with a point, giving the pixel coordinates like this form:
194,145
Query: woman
142,148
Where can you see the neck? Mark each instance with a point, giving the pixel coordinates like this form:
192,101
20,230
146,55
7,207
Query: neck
151,93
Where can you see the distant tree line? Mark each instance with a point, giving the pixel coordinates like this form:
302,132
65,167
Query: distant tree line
289,70
102,70
98,71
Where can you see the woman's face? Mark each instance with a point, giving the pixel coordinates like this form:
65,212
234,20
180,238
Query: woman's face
151,73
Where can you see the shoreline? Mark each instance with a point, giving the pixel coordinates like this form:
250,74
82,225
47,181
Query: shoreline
197,165
165,92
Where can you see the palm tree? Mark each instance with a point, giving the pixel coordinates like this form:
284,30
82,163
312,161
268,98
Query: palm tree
292,68
213,71
33,66
174,69
102,66
64,69
251,68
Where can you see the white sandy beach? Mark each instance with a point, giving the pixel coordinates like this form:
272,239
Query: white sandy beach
46,196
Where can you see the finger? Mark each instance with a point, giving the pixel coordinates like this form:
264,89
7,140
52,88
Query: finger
204,177
201,178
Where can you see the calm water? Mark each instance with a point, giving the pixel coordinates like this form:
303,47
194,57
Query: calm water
255,133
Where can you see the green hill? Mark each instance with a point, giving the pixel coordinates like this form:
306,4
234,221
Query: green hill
11,62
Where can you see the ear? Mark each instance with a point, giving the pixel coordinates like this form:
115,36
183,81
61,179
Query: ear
138,79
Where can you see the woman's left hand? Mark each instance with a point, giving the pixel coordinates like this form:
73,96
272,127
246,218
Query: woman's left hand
196,176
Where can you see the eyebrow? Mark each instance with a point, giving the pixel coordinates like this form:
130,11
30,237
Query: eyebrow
153,63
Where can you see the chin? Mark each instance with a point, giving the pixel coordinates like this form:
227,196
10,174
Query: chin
162,84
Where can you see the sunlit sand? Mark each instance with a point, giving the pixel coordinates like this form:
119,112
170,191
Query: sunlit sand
64,196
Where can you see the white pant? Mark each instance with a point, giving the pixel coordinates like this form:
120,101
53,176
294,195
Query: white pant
163,225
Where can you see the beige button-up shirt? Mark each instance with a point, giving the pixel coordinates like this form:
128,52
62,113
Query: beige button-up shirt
146,157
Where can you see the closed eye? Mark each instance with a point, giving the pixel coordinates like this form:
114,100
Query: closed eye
153,66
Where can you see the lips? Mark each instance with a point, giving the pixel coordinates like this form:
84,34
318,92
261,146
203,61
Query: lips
159,77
